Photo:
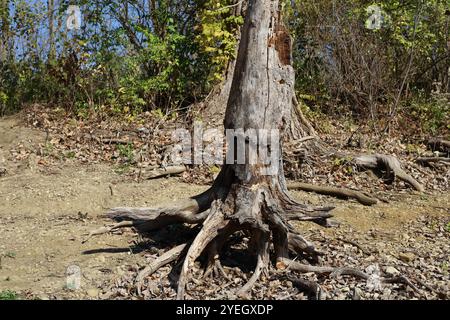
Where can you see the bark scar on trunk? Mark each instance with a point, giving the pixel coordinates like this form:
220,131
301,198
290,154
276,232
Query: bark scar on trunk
282,42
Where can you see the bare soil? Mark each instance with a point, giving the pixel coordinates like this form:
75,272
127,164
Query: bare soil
45,211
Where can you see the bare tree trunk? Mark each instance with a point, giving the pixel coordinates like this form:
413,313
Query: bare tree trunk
247,195
5,47
51,30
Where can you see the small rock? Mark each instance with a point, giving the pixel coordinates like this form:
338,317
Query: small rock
407,256
73,279
345,289
392,271
357,293
386,294
93,293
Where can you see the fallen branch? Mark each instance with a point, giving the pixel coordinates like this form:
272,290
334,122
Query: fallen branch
162,172
335,272
335,192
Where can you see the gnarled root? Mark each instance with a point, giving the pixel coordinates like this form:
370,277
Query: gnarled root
335,272
390,164
166,258
262,210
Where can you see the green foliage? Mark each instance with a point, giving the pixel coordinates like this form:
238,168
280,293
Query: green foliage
10,254
217,36
129,56
8,295
164,55
431,112
126,151
347,66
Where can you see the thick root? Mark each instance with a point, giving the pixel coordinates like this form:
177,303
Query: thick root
261,264
336,192
335,272
209,231
166,258
263,210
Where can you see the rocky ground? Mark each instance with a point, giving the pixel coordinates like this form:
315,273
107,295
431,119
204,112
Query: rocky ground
54,188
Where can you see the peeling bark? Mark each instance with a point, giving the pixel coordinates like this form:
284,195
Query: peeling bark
243,196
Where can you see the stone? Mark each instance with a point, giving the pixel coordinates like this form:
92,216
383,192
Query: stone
357,293
73,277
407,256
93,293
392,271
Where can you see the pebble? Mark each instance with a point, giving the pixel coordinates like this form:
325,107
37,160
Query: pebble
392,271
93,293
357,293
407,256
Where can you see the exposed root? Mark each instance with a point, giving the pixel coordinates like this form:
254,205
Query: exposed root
336,192
428,160
213,264
209,231
163,172
299,245
215,269
439,144
335,272
311,288
390,164
104,230
263,210
166,258
261,264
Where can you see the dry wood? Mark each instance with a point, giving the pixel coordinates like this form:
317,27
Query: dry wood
428,160
242,196
163,172
335,272
336,192
390,164
166,258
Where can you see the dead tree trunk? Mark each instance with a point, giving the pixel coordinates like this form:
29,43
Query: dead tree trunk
247,195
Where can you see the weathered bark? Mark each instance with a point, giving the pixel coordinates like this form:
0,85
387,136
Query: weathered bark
390,164
245,196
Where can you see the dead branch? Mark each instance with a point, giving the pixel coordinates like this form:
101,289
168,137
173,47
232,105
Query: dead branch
163,172
339,271
428,160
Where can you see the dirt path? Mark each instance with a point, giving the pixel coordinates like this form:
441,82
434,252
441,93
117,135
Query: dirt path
44,213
